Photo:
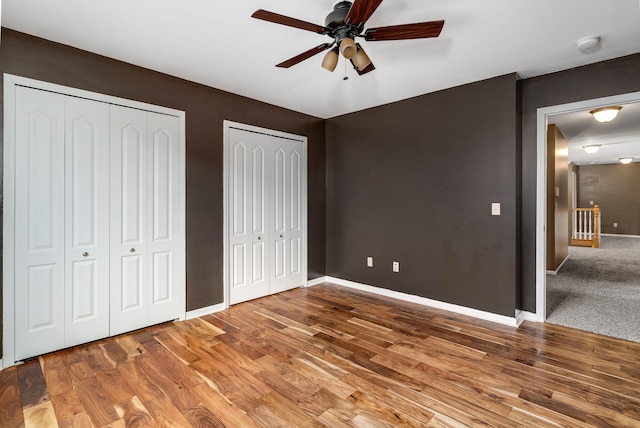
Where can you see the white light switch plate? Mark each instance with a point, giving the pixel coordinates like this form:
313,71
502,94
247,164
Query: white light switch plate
495,208
396,266
370,261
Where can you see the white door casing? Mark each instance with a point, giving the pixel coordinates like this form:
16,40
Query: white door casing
265,205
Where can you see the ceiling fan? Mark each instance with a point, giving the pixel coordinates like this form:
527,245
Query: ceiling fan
343,25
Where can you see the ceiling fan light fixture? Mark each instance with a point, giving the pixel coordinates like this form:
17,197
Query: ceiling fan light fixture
605,114
343,24
361,59
348,48
626,160
592,148
330,60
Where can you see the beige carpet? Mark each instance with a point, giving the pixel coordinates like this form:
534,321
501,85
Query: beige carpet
598,290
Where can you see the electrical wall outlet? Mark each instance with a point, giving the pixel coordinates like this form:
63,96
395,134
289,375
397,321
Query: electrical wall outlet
370,261
590,202
396,266
615,224
495,208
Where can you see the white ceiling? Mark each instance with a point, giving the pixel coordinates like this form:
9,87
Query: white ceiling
618,138
217,43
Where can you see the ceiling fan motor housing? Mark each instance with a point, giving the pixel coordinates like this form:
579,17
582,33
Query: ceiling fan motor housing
340,31
336,18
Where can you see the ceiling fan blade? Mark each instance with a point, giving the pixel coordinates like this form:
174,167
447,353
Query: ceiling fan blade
419,30
361,11
288,21
304,55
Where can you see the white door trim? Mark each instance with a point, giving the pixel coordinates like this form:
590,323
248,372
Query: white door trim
8,226
541,203
227,125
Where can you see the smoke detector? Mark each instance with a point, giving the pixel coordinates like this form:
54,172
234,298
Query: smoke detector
587,43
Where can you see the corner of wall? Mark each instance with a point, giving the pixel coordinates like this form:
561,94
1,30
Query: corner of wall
519,173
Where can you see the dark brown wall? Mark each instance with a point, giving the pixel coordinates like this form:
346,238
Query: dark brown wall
557,197
615,188
453,151
603,79
206,108
413,182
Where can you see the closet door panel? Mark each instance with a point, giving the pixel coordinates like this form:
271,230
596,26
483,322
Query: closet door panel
128,219
164,219
295,210
86,220
39,214
279,212
249,215
287,226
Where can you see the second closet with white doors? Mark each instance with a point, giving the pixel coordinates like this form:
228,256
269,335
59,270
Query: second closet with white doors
98,228
266,212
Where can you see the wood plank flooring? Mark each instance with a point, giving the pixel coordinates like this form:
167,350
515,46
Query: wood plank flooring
331,356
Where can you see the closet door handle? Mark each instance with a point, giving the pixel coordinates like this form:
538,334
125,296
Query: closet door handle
259,238
85,254
133,250
281,236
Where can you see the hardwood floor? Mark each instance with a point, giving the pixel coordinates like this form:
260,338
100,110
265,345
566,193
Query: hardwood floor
331,356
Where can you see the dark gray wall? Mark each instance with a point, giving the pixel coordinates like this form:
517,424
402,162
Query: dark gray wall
615,188
618,76
206,108
455,151
413,182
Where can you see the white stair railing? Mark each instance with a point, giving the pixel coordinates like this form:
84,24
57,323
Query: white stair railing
586,227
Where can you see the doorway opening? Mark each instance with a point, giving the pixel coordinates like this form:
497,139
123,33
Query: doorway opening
545,117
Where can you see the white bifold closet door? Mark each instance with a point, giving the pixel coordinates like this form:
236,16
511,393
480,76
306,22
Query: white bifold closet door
62,245
266,185
144,165
39,208
97,249
86,220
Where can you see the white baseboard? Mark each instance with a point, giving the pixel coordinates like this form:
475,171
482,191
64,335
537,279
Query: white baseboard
555,272
316,281
205,311
519,317
463,310
522,316
620,235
